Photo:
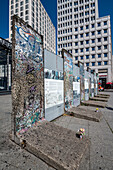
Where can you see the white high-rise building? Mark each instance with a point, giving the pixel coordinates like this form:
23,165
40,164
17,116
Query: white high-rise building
33,12
86,36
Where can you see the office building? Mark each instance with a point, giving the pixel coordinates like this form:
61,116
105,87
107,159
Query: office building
34,13
86,36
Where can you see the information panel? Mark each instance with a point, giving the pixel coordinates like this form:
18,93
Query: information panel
76,91
54,88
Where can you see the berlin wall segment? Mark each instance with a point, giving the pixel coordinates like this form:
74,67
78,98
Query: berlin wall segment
27,77
68,80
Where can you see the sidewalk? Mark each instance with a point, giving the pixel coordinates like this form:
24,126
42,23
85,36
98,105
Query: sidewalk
100,155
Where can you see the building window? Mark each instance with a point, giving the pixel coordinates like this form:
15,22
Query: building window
93,56
27,1
26,18
105,38
93,63
87,64
93,48
16,10
76,50
26,6
81,50
81,57
21,14
76,43
99,47
93,33
16,5
93,26
105,47
93,41
12,7
99,55
76,36
86,6
99,32
87,56
76,29
76,58
105,31
81,43
87,41
11,12
87,34
21,3
99,39
81,28
21,8
105,22
81,35
105,62
87,49
99,24
87,26
99,63
105,54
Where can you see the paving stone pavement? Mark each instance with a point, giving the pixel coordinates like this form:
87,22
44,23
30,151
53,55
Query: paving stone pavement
100,153
101,136
12,157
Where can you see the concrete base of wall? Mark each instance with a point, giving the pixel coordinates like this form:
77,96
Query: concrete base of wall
84,113
94,103
102,96
99,99
57,146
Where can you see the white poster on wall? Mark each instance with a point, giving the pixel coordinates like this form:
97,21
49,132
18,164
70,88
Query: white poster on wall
86,84
76,87
54,92
92,85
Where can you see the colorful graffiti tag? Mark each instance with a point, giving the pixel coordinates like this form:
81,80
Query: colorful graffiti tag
27,91
68,80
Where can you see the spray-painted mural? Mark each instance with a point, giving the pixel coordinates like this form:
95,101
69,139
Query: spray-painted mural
68,80
27,91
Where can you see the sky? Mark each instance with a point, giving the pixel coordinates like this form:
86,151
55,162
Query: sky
105,8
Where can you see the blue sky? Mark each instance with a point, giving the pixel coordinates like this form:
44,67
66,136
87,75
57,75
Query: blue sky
105,8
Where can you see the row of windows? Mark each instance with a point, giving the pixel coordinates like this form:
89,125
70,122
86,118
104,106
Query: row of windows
75,3
90,41
87,35
105,47
98,63
81,36
81,21
65,12
92,48
65,18
26,1
93,56
65,6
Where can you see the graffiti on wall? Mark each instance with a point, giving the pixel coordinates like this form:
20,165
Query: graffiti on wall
27,89
68,80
